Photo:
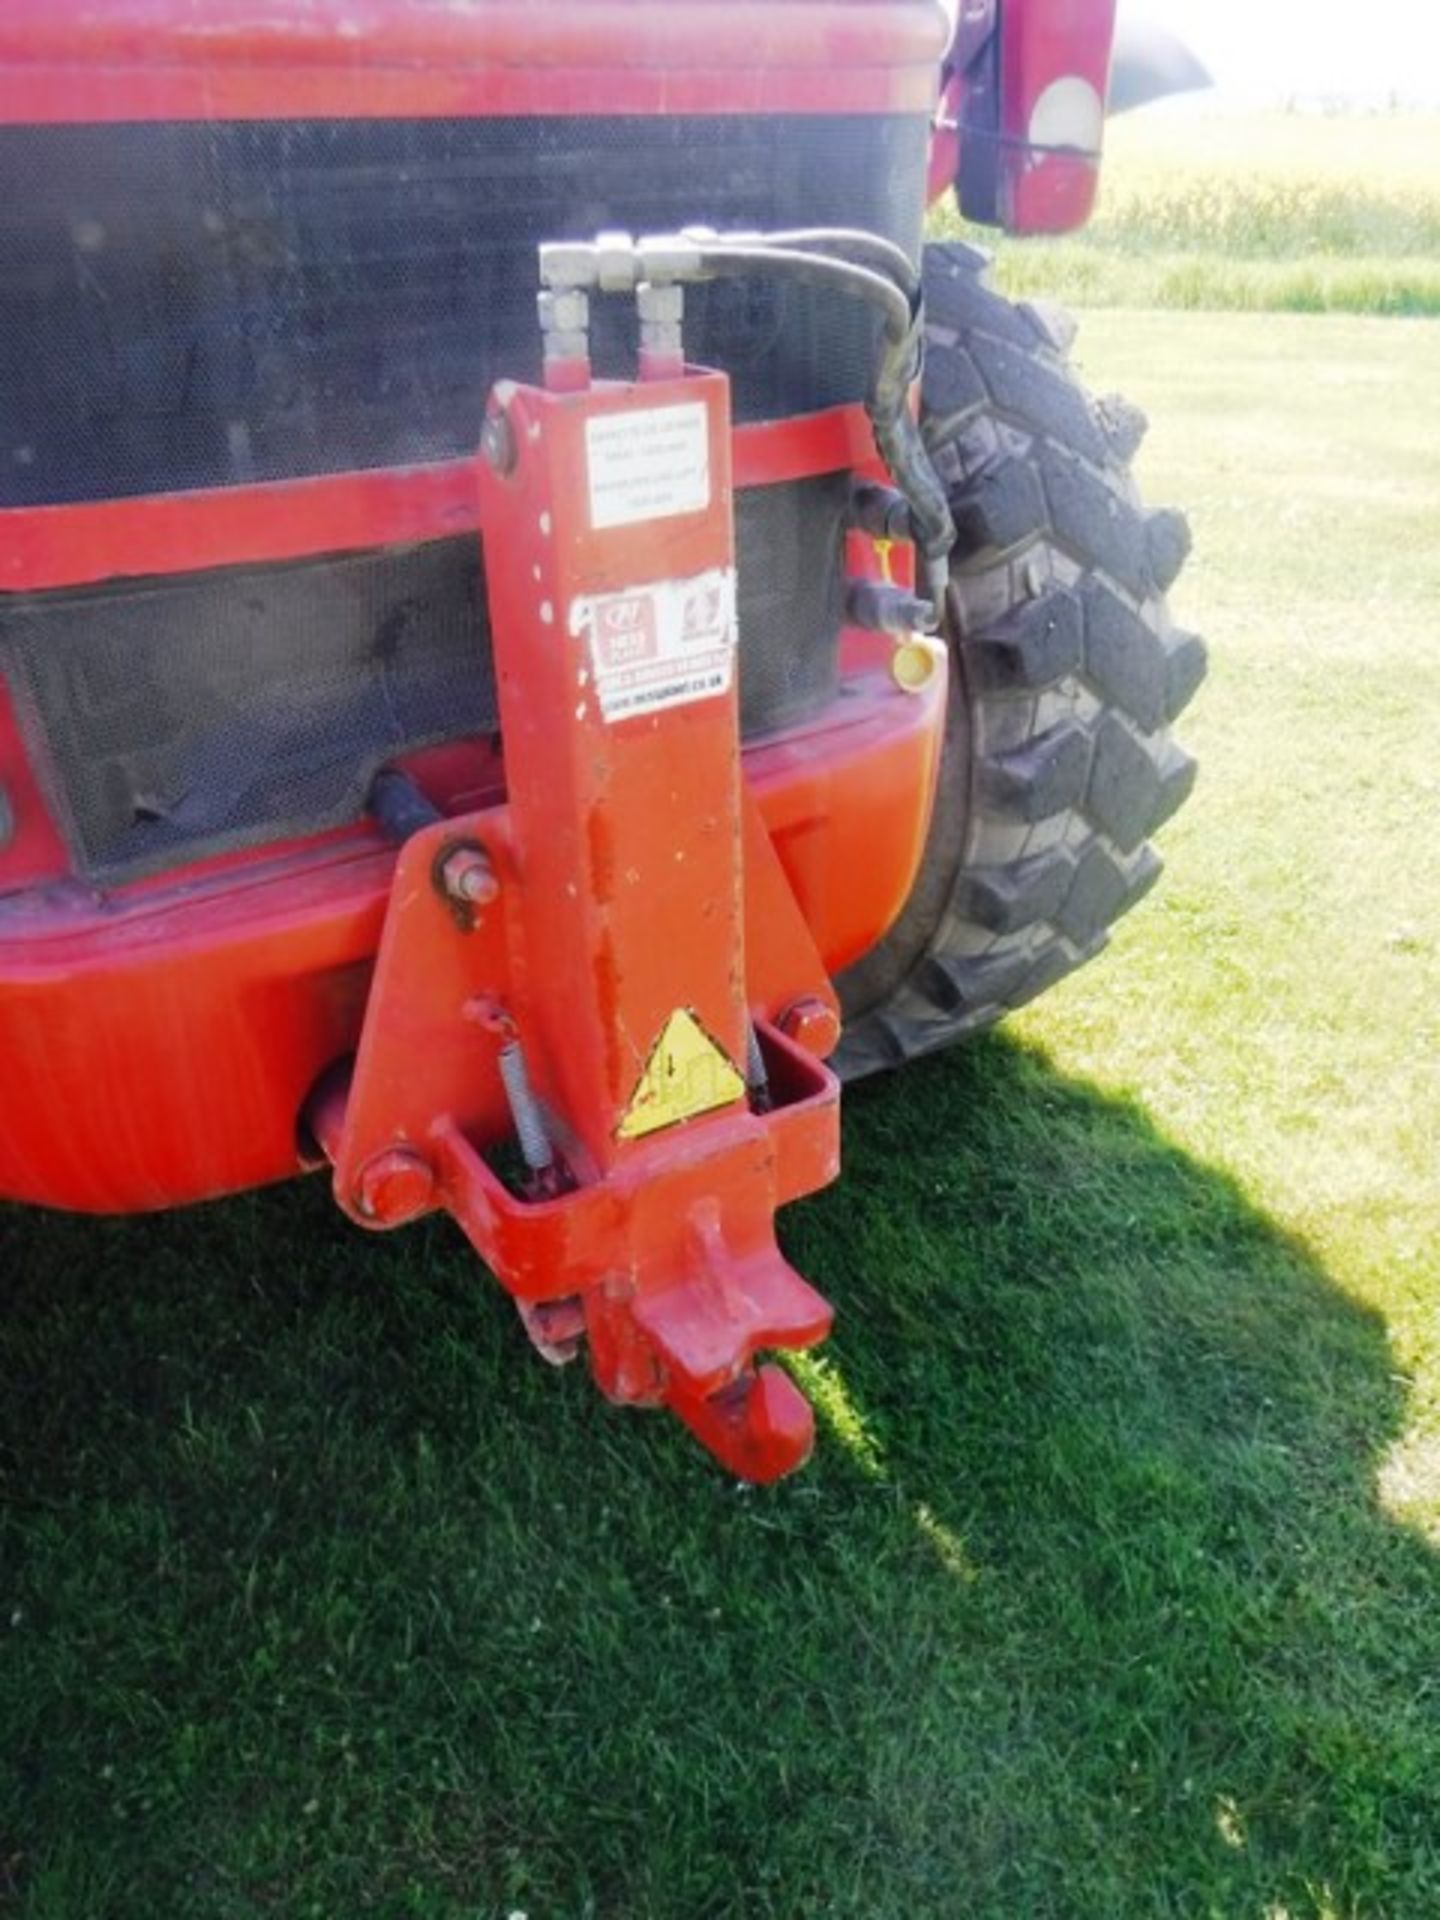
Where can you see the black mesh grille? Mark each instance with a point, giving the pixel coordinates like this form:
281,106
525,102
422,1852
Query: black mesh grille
203,305
182,716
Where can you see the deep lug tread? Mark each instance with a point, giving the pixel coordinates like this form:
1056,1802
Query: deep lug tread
1055,326
1041,779
1178,771
1096,895
1104,888
1167,542
1125,785
958,299
1006,899
1124,660
1066,693
999,508
969,984
1042,397
951,384
1029,649
1123,424
1185,663
1090,519
1050,968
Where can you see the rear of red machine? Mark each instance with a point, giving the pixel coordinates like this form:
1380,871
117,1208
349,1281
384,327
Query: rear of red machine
458,740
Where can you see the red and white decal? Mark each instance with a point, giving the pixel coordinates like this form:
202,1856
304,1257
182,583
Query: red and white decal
661,645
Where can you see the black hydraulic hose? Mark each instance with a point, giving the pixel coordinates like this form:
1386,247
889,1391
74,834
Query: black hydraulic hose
759,259
852,243
836,260
896,434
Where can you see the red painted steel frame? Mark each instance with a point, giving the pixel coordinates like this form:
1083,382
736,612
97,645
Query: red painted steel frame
163,1041
71,546
625,851
80,60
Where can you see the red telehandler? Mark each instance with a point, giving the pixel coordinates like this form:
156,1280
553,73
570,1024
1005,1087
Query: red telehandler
542,630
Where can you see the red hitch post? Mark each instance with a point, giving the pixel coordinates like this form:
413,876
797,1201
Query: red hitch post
617,945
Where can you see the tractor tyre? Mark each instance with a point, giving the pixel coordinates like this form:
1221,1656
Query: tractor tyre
1066,672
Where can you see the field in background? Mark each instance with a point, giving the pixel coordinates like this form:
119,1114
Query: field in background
1297,212
1114,1592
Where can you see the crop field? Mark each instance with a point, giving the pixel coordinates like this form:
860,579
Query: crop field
1113,1592
1290,212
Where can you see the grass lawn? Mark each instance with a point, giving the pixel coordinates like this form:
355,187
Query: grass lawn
1115,1588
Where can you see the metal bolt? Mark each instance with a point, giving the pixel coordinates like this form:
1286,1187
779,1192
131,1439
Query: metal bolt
396,1186
660,306
497,442
467,877
812,1024
564,312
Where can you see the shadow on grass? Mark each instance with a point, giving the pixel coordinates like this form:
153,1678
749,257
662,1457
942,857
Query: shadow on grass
320,1597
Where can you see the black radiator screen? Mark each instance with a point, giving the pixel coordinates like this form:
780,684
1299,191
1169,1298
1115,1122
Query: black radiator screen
201,305
177,717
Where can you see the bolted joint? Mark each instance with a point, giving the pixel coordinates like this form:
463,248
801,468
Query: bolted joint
466,877
814,1024
617,264
566,264
564,328
661,311
660,306
566,311
497,442
398,1185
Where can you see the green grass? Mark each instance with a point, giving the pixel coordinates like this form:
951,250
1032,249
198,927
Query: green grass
1115,1588
1205,209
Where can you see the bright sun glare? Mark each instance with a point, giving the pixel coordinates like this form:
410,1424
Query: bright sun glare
1311,49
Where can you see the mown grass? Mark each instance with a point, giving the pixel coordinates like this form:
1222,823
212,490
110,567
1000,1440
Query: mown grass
1115,1587
1294,212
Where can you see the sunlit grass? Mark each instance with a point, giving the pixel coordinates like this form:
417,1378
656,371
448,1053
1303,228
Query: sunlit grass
1113,1592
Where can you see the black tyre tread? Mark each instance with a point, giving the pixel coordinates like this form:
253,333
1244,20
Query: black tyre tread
1027,649
1068,669
1046,776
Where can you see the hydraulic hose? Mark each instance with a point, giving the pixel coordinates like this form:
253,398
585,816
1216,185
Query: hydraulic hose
850,263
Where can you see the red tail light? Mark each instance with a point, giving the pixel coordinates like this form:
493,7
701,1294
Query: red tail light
1027,90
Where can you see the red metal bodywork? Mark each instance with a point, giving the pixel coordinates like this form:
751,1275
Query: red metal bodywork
128,60
215,1026
639,888
1006,57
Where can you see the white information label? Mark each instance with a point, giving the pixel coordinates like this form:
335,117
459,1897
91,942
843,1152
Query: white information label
648,464
661,645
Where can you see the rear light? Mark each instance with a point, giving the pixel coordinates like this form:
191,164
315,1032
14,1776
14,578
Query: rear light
1028,90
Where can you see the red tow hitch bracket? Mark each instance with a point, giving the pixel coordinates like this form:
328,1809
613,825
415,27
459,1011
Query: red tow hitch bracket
625,929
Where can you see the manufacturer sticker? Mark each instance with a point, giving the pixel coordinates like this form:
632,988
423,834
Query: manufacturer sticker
661,645
687,1074
647,464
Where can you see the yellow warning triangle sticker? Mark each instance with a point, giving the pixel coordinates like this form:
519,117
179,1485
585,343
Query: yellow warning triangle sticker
687,1074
